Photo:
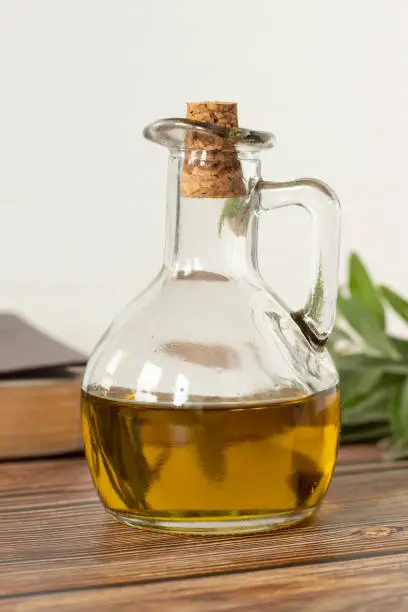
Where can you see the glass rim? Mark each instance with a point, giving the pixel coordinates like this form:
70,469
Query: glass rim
172,133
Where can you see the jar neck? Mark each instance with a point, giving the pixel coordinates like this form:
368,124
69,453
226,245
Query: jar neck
214,237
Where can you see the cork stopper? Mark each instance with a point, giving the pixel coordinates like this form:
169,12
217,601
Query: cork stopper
224,114
219,174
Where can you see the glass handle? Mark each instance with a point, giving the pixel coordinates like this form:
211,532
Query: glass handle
316,318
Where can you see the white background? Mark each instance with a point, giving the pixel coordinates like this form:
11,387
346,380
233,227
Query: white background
82,195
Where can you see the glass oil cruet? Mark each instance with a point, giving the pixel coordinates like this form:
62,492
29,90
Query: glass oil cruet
208,406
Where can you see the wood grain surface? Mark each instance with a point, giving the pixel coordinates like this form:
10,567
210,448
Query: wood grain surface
60,551
377,586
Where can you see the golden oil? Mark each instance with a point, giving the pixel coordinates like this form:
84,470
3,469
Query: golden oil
155,462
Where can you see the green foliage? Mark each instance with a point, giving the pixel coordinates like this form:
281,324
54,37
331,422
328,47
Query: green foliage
364,291
396,302
237,212
373,365
366,325
318,298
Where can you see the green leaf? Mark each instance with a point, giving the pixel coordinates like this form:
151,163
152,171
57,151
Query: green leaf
366,433
238,212
373,408
361,362
339,335
346,363
229,211
402,347
399,304
358,383
399,412
318,297
366,326
364,291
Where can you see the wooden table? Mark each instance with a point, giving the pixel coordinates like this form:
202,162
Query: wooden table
60,551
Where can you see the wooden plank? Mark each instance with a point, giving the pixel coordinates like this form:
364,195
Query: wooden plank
377,585
51,480
54,533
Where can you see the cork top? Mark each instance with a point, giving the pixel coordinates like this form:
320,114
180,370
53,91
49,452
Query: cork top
211,141
223,114
220,174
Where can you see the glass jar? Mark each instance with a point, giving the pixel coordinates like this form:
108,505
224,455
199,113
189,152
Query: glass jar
208,406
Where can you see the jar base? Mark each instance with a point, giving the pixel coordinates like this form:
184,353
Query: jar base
232,526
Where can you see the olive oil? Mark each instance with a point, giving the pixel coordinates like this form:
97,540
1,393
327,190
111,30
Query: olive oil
268,461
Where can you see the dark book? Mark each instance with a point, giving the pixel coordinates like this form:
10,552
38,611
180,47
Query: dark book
40,380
